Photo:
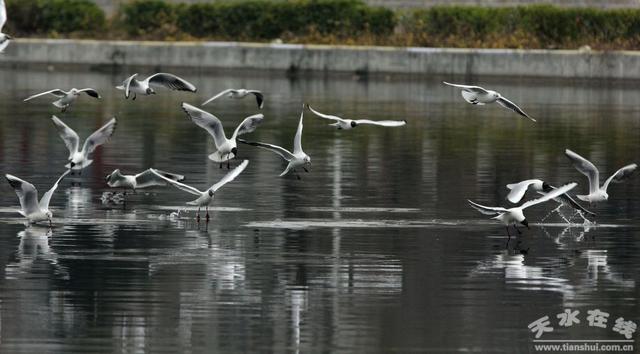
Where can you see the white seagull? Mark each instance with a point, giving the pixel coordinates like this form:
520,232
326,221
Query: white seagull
239,93
342,123
79,159
205,197
480,96
597,193
226,149
143,87
519,189
515,215
31,209
297,158
4,38
145,179
66,98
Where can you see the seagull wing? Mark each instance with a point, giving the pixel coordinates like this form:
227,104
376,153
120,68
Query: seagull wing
207,121
284,153
218,96
382,123
248,125
177,184
325,116
127,85
27,194
99,137
259,97
297,140
3,14
487,210
46,198
172,82
518,190
56,92
566,199
91,92
148,178
230,176
551,195
585,167
68,135
476,89
620,175
512,106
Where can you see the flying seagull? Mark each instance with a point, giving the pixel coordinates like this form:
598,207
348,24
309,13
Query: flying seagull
226,149
205,197
65,99
342,123
515,215
480,96
31,209
297,158
79,159
519,189
145,179
4,38
239,93
597,193
143,87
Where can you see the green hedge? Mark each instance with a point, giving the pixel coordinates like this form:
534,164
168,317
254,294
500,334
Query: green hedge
545,24
256,19
54,16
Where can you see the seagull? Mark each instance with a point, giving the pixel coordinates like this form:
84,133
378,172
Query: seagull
480,96
28,195
4,38
170,81
515,215
597,193
79,159
346,124
297,158
142,180
205,197
226,149
519,189
65,99
239,93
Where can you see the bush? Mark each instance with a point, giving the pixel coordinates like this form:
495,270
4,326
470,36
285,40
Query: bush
54,16
146,16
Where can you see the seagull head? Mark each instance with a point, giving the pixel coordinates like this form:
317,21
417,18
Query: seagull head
525,223
72,164
150,91
49,215
75,92
234,151
546,187
210,193
353,124
8,37
307,160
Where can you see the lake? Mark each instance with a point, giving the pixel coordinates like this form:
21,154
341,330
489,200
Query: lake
374,250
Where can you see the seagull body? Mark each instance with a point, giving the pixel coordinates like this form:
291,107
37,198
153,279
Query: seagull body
518,190
295,159
479,96
238,94
145,179
31,209
143,87
79,159
204,197
226,149
515,215
597,193
66,98
346,124
4,38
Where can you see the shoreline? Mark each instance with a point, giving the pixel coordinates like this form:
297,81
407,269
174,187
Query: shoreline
294,59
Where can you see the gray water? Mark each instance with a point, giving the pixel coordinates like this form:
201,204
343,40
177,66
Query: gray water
374,250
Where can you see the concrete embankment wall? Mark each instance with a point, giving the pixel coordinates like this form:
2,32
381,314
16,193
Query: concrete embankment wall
212,56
